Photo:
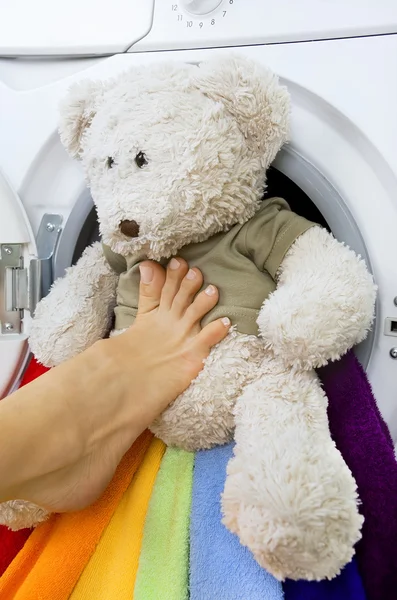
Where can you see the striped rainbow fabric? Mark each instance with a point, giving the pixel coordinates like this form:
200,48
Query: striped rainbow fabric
155,534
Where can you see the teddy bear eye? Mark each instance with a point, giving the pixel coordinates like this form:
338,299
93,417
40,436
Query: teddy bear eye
109,162
141,159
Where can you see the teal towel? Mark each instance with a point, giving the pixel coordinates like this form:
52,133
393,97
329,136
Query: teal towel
220,567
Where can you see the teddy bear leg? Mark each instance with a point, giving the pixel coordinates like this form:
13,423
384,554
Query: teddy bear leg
19,514
289,495
202,417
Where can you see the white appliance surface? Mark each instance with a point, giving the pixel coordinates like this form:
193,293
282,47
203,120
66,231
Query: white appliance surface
344,94
247,22
82,27
92,27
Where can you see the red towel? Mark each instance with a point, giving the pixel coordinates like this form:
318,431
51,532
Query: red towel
11,542
33,371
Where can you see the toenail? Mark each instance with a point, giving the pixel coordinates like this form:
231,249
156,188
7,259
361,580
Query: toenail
191,274
226,321
210,291
146,273
174,264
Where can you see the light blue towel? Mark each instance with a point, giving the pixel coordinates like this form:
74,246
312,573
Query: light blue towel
220,567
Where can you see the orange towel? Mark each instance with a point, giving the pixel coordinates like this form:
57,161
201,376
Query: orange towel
53,558
111,571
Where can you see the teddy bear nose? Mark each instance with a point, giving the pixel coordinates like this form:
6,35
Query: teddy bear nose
129,228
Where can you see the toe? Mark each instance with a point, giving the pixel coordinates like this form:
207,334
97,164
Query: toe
202,304
176,271
190,285
212,334
151,285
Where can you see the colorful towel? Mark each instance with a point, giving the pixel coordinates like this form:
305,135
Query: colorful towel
11,542
53,558
347,586
362,437
220,568
33,371
163,572
95,553
111,571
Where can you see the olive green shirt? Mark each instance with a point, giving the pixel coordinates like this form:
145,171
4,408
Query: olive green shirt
242,263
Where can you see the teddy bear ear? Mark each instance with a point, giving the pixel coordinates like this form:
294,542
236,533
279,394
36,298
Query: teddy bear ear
253,95
77,110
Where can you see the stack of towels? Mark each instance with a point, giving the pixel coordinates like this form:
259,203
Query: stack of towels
156,533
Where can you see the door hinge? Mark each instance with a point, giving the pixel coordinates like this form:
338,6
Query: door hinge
23,287
13,285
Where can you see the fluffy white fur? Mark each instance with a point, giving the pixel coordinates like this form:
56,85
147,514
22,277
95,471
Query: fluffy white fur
323,304
209,133
289,495
81,307
77,112
18,514
202,417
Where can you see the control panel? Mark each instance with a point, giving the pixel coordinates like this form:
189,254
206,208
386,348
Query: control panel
200,7
187,24
200,16
93,27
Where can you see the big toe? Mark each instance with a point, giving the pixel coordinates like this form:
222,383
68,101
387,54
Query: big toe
151,285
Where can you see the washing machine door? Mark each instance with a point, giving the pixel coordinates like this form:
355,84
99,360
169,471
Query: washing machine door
25,276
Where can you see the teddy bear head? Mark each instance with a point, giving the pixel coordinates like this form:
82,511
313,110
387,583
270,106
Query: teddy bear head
174,153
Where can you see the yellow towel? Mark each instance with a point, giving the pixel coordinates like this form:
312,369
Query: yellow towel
111,571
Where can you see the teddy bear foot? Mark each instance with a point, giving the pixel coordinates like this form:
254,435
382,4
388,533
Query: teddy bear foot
289,495
19,514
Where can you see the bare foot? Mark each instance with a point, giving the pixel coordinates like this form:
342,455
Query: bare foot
167,331
148,366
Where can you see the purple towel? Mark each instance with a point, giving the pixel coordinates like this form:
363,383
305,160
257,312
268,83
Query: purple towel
362,437
347,586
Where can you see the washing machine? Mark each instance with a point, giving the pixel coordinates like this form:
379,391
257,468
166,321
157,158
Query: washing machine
339,61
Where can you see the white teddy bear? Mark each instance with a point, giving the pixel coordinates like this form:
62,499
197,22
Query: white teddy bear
176,158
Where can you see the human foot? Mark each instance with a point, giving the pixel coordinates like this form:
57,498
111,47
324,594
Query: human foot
166,333
107,396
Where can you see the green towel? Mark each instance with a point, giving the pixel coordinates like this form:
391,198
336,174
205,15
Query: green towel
163,572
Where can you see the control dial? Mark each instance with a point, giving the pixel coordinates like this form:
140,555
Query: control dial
200,7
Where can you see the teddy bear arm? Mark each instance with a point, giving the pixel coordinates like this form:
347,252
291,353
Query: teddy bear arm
289,495
78,310
323,304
